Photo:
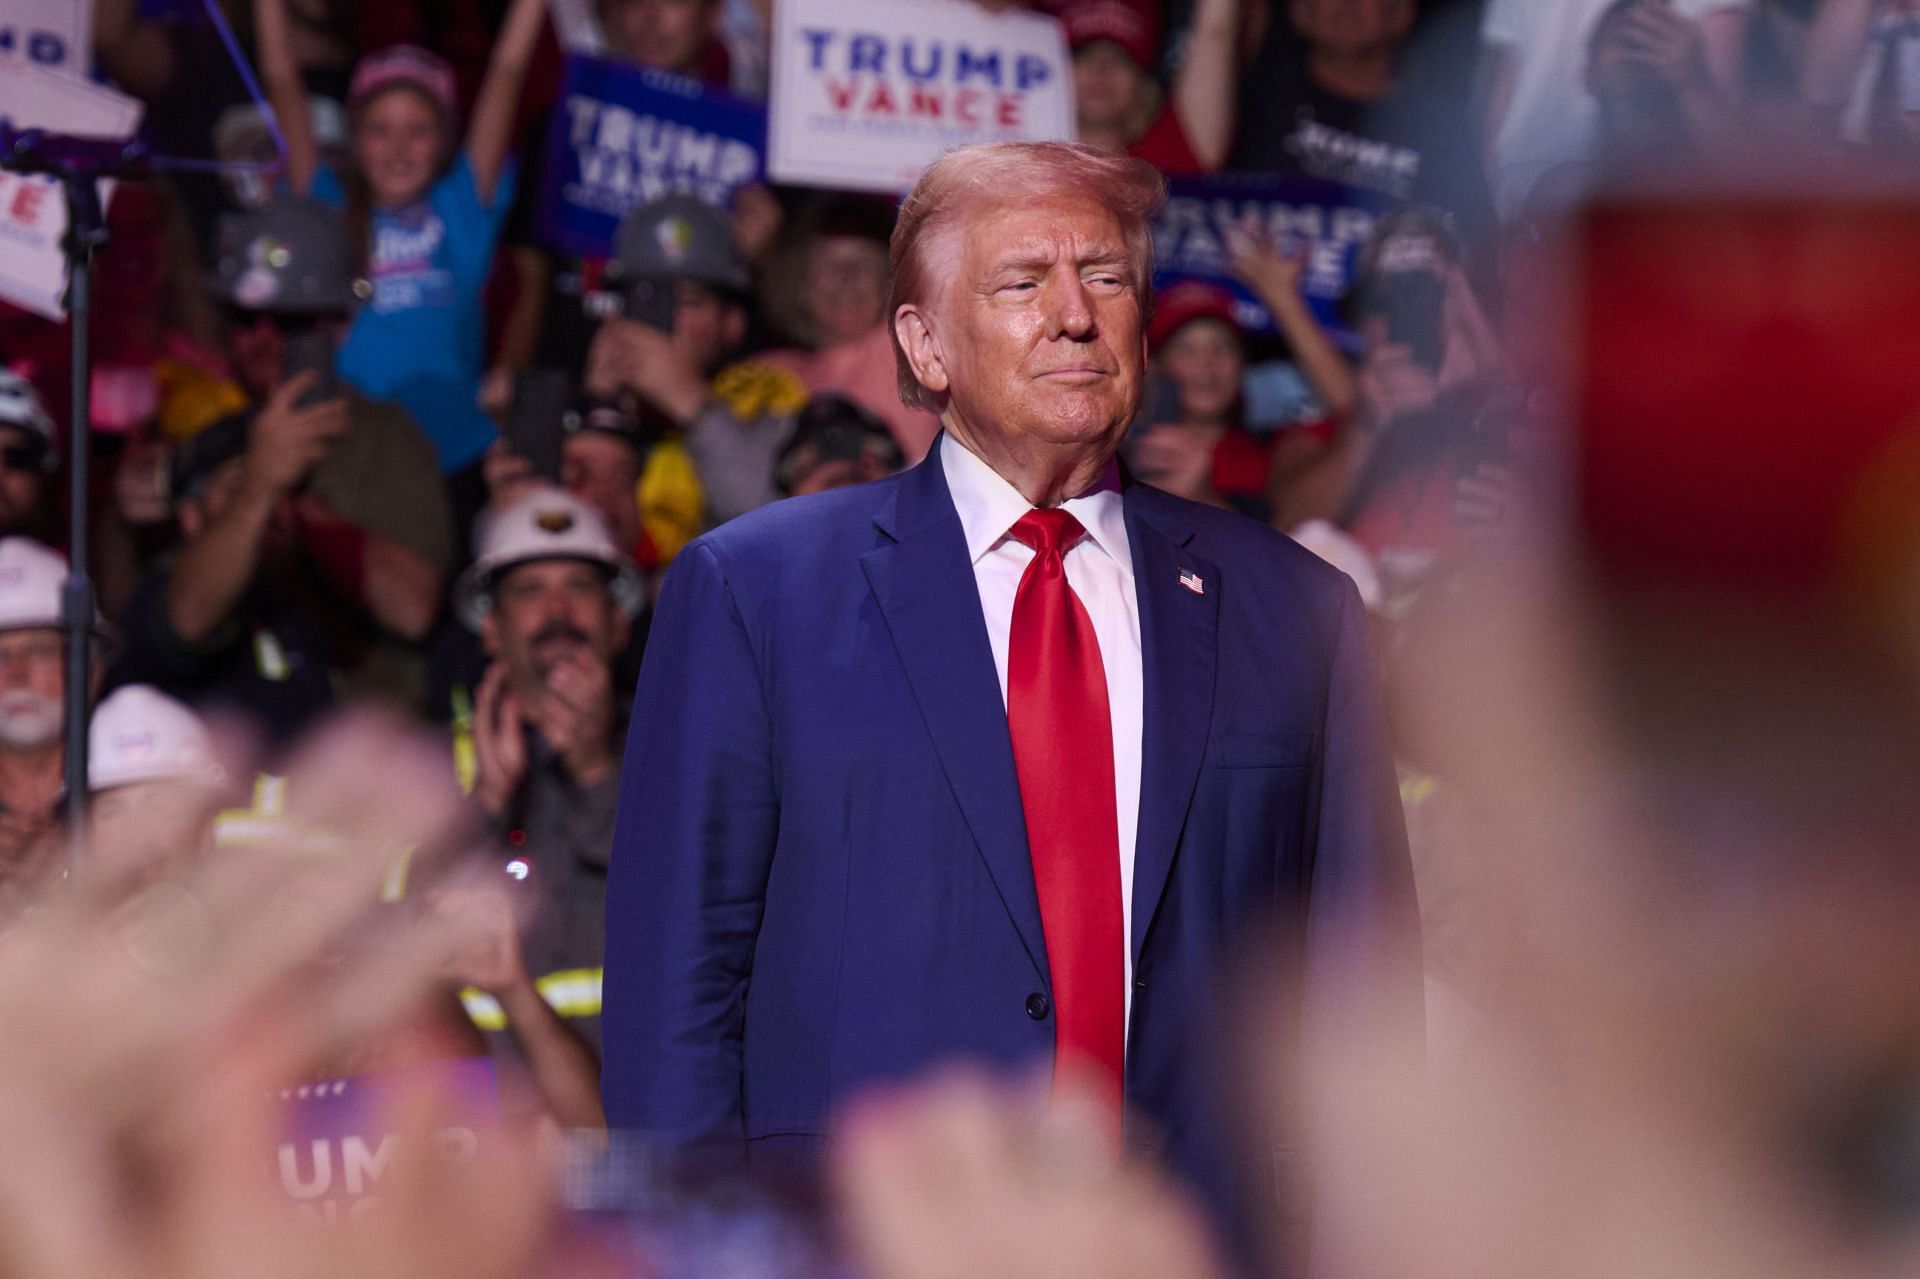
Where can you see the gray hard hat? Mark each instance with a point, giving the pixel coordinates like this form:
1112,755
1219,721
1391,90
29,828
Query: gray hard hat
293,256
678,237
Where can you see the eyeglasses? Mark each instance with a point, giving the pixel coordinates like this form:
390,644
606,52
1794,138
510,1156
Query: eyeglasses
242,318
22,457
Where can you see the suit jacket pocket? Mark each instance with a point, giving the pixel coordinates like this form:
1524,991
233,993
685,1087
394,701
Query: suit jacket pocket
1292,749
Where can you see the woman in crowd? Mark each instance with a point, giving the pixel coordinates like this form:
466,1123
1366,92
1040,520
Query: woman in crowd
1121,107
1205,450
831,293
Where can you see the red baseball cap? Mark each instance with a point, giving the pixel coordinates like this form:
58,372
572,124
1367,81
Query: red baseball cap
1185,302
1126,24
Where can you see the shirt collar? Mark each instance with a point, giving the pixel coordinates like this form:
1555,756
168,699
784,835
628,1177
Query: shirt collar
989,506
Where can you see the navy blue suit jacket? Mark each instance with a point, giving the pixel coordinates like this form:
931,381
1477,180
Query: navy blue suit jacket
820,875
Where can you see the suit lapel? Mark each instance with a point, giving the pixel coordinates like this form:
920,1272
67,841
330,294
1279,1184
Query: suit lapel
1178,642
923,581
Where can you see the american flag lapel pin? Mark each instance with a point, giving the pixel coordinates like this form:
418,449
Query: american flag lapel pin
1191,580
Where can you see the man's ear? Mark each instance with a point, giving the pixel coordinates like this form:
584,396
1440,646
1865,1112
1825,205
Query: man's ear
734,327
922,345
490,631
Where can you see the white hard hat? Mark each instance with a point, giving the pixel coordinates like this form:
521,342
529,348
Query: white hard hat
140,734
31,578
20,406
546,524
1344,553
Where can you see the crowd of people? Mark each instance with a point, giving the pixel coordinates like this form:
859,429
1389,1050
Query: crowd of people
363,442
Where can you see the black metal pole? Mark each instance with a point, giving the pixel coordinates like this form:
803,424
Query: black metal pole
86,231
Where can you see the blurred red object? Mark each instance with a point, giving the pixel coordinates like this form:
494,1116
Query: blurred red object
1749,396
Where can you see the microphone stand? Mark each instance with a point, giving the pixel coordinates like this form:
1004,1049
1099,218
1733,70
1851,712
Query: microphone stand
79,164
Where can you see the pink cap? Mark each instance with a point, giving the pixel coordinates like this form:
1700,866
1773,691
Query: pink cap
406,64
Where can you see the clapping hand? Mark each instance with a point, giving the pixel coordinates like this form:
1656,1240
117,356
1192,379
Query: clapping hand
964,1177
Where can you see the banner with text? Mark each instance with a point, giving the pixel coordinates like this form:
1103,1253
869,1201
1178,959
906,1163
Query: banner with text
867,93
341,1136
1332,223
33,213
623,135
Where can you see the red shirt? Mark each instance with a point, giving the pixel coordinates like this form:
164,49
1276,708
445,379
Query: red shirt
1165,146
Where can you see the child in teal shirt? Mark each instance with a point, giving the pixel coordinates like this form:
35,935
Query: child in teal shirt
427,215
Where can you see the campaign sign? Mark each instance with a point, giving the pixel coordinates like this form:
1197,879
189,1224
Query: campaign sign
623,135
341,1138
33,212
1331,223
55,34
867,93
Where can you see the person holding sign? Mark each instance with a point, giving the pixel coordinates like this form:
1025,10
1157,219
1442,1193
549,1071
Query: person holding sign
999,758
427,213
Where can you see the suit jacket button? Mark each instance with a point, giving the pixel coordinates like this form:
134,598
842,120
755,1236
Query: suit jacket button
1038,1006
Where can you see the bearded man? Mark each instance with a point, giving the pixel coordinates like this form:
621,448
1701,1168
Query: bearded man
33,689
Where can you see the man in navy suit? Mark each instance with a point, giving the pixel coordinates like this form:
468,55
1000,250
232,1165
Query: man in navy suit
997,758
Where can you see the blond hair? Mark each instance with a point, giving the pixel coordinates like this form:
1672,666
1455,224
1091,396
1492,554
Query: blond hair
1131,190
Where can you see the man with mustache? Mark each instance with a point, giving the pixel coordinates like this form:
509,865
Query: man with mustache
538,743
33,683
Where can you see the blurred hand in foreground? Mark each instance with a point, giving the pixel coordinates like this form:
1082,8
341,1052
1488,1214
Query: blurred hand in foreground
149,1038
965,1177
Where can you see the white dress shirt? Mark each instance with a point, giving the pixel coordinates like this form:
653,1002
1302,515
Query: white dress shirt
1100,571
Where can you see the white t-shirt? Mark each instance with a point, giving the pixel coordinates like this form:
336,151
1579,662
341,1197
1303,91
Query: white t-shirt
1552,120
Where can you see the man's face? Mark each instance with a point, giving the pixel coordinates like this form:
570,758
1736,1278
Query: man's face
1106,85
32,683
1204,362
604,472
256,351
21,479
257,344
846,287
706,326
548,610
1036,336
669,34
1353,25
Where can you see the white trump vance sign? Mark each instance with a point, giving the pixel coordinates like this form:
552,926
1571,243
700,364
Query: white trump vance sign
55,34
33,212
867,93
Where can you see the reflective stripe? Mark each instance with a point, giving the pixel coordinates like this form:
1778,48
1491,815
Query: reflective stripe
260,824
572,992
483,1010
267,825
269,657
269,794
394,887
466,763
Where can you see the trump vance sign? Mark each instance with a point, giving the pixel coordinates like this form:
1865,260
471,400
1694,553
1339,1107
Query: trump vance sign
867,93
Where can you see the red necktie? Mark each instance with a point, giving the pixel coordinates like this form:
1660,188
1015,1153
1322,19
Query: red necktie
1063,751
